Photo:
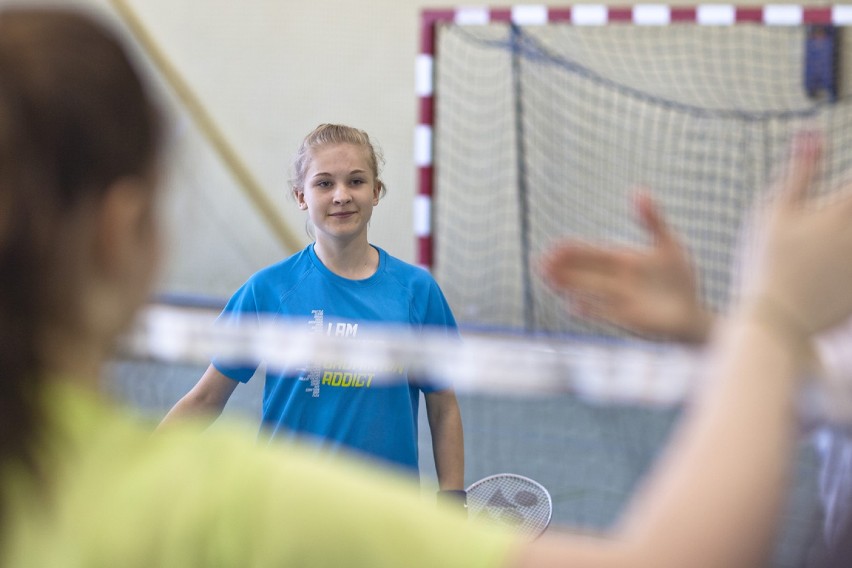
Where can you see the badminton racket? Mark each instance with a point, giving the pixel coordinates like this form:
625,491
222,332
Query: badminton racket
512,500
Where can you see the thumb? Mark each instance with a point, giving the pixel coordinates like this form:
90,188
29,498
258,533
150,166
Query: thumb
805,153
652,218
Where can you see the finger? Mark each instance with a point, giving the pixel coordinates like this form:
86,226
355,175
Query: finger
805,153
555,263
570,264
652,218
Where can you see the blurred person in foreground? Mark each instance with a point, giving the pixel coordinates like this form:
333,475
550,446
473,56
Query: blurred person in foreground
82,483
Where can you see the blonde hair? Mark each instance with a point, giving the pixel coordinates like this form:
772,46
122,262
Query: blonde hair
330,134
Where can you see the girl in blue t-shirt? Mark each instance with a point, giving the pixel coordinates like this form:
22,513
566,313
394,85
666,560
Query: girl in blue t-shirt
342,285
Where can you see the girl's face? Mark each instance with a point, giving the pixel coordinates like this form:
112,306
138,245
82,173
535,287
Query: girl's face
339,192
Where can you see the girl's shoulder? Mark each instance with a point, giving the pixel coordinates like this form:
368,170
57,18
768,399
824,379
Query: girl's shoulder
269,284
292,267
404,270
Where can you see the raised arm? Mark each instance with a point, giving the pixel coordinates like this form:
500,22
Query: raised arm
651,292
716,497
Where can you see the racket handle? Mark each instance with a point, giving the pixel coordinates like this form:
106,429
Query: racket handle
454,498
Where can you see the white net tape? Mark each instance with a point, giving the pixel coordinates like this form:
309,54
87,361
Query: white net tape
600,371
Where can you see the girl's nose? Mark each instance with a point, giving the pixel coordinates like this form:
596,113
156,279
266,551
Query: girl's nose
341,194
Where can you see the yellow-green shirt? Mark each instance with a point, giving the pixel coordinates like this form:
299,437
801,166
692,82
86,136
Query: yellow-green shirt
120,496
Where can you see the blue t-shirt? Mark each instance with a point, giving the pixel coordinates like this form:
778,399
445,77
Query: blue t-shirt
340,404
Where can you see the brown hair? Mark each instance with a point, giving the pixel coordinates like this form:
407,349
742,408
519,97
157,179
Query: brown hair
328,134
74,117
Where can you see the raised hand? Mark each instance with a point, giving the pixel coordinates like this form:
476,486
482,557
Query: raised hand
804,263
651,292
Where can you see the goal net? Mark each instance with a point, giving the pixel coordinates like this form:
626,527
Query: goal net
543,131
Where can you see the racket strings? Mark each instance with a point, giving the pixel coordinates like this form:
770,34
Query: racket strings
513,500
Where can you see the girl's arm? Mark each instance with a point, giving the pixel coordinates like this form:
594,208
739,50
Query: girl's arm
205,401
445,423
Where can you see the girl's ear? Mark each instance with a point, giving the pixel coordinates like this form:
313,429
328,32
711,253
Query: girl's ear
299,195
377,191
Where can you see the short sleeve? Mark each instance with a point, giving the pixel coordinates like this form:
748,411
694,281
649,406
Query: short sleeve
241,312
437,321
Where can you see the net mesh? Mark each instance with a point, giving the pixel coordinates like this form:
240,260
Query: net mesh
543,131
591,457
586,419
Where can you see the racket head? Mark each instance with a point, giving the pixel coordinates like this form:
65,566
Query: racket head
511,500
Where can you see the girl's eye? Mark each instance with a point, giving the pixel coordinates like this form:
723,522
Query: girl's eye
357,181
323,183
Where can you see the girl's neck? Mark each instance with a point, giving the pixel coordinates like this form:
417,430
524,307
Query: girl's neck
355,260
